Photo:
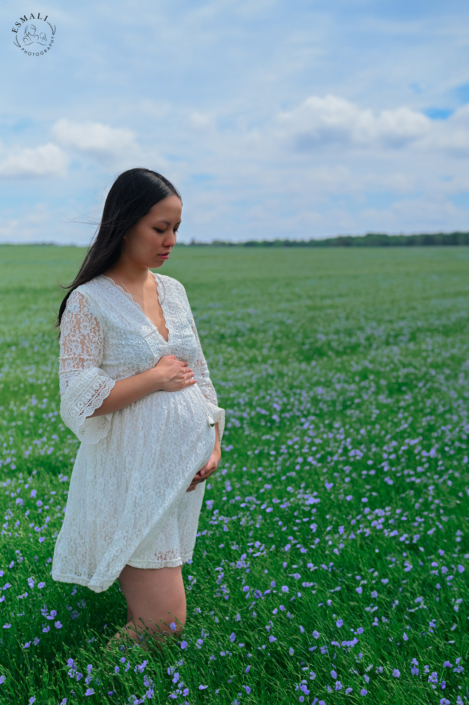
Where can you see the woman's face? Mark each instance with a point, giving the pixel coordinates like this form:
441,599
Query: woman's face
154,236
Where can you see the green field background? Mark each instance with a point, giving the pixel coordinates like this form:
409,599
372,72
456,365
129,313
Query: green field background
332,558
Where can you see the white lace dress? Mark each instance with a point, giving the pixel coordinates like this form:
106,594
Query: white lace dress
128,501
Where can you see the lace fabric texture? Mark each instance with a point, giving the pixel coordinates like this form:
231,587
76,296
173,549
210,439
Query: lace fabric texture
127,501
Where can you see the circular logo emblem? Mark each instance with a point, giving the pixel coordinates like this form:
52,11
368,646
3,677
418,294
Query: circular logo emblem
34,35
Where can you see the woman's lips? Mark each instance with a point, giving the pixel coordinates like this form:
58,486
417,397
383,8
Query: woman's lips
164,256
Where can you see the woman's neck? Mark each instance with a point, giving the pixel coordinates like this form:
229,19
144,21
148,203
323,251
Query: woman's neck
131,275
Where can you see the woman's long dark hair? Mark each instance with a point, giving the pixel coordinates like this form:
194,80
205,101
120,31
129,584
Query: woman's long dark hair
131,197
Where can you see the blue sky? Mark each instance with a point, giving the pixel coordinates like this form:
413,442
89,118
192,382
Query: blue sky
273,119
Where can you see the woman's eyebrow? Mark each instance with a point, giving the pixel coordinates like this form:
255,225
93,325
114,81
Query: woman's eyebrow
167,222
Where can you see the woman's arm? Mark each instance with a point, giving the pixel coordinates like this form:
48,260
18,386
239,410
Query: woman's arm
168,375
83,384
217,439
127,391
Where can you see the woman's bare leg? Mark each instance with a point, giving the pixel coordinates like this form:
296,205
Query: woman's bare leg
154,595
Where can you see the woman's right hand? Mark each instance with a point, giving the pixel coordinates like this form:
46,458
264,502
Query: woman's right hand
173,374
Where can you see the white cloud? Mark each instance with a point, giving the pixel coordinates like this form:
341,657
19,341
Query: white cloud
201,121
95,139
328,121
46,160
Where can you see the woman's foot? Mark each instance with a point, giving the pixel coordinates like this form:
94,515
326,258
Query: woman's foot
130,638
121,638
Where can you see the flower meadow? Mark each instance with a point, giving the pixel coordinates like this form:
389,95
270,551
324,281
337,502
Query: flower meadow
332,559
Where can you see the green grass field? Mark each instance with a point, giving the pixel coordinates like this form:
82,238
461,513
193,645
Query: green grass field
333,554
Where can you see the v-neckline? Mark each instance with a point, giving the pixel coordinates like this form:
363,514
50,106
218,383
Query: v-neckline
130,298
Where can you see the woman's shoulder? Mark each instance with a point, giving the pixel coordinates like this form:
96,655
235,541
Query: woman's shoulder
82,290
171,283
84,296
166,279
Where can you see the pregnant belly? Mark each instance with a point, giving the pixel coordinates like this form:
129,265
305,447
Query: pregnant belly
163,424
186,406
154,445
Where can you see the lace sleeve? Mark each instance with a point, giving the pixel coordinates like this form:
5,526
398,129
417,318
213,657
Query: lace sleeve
202,376
83,385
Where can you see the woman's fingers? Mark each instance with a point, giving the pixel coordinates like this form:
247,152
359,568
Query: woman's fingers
192,486
203,474
208,469
197,479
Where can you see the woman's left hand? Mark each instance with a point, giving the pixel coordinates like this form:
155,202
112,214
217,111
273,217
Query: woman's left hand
207,469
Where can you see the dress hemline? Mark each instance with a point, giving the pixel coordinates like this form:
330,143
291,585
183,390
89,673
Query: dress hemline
161,564
78,580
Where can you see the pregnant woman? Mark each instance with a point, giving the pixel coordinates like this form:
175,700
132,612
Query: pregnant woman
136,391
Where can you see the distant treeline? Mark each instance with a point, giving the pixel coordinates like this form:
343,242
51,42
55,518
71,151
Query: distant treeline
369,240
